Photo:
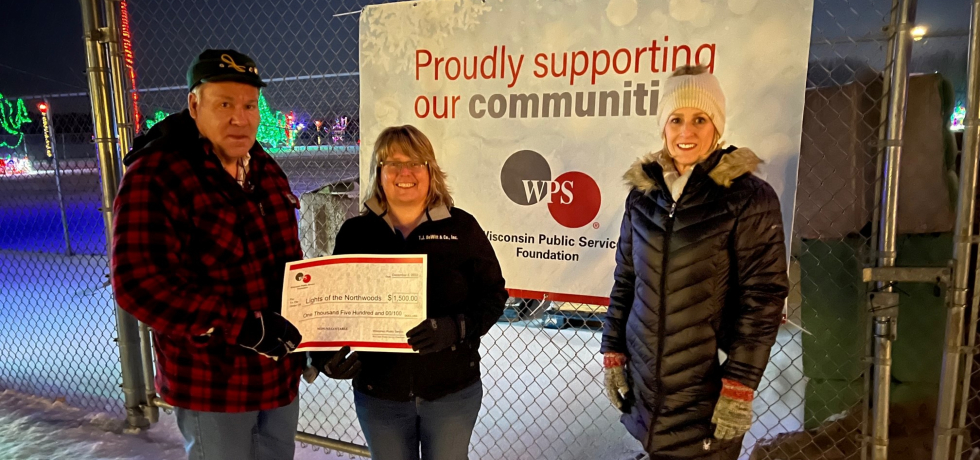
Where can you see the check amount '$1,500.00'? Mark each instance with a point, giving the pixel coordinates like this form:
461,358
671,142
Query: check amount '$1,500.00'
366,302
403,298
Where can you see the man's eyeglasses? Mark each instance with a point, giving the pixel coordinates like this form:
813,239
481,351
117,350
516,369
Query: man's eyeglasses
396,166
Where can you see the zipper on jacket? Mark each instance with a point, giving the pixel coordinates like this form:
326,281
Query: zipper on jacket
411,382
662,319
405,243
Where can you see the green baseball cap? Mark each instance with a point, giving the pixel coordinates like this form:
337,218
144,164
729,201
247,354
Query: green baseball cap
223,65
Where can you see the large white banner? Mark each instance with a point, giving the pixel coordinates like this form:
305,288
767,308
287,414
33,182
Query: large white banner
537,108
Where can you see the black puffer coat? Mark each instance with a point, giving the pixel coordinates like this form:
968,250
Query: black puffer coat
702,274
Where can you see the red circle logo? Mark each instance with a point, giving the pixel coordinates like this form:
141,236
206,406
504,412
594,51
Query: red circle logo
573,198
576,201
306,279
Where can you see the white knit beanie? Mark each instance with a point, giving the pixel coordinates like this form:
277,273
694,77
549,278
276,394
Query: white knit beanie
691,86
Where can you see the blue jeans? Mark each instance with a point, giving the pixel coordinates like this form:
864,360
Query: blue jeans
394,430
258,435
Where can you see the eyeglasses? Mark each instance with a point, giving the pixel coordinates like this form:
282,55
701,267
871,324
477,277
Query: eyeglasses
396,166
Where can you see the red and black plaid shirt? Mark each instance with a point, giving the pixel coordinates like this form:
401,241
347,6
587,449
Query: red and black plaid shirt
193,253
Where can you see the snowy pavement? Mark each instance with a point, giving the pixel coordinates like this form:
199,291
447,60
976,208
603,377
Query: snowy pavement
57,329
33,428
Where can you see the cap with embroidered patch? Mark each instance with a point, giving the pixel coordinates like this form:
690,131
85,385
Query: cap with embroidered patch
223,65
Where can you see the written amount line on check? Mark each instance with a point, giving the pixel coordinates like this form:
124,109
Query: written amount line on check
352,314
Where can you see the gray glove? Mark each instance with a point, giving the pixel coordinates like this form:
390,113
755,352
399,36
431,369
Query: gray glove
617,387
733,413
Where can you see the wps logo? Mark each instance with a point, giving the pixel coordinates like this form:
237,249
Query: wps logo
573,197
304,278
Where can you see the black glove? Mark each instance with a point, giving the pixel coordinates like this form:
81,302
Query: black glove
434,334
337,364
269,334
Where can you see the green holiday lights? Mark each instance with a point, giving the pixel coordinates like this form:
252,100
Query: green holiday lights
13,115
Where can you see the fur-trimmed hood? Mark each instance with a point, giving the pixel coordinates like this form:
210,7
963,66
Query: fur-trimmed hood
731,165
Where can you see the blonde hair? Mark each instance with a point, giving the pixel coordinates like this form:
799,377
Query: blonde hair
690,70
408,140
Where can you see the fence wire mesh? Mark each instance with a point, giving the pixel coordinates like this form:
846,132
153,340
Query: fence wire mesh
58,322
541,371
970,447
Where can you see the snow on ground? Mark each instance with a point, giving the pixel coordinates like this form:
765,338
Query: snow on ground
543,387
57,327
32,428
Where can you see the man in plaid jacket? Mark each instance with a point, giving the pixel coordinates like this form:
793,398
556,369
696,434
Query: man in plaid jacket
204,224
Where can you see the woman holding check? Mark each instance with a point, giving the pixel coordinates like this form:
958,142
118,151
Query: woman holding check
427,401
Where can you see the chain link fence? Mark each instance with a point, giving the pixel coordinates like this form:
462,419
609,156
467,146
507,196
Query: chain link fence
835,237
970,447
544,396
543,379
57,324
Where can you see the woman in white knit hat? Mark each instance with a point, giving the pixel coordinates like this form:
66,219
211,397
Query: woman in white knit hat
700,268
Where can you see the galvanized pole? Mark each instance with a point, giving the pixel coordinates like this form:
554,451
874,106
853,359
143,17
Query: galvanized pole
883,127
105,143
53,151
125,130
972,145
151,411
875,231
957,357
885,308
120,102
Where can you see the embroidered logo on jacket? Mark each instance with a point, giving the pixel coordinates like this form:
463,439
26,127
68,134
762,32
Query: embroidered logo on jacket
437,237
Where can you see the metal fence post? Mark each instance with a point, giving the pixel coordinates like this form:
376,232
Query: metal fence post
53,151
126,132
105,141
866,418
123,116
884,302
956,356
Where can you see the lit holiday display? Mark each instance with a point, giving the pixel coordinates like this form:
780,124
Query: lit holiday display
157,118
956,120
13,115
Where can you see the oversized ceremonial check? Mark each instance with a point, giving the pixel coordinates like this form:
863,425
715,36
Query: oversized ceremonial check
367,302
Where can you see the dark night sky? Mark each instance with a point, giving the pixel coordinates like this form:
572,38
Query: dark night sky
48,56
43,50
